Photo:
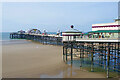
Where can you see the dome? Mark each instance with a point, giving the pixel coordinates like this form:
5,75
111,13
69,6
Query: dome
72,30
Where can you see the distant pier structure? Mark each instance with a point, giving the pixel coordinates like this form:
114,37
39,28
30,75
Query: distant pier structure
36,35
95,51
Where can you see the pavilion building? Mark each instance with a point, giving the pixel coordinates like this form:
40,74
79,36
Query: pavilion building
106,30
107,26
71,35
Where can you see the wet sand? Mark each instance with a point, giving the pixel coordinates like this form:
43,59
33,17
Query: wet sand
33,60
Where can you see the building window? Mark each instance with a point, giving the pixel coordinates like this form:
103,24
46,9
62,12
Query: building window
74,37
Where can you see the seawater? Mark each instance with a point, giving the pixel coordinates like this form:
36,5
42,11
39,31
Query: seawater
4,36
98,65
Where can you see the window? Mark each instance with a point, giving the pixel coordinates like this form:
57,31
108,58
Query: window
74,37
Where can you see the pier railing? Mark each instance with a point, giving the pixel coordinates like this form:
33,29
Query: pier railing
115,39
111,38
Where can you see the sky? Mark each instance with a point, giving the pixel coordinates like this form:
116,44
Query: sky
54,16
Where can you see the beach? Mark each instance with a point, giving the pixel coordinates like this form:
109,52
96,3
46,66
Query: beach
27,59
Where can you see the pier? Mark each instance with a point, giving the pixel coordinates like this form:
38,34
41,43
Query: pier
95,51
95,55
44,39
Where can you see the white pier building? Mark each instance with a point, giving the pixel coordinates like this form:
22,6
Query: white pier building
107,26
71,35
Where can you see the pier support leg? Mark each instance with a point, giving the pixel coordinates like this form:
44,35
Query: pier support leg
115,57
105,57
57,41
83,50
63,53
118,60
11,36
108,59
101,56
66,54
80,58
105,52
71,52
92,51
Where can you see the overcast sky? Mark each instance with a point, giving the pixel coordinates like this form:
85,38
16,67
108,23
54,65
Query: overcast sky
56,15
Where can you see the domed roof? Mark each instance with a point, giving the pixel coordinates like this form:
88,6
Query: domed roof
72,30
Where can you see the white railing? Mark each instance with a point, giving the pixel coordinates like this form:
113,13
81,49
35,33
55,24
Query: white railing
95,39
98,38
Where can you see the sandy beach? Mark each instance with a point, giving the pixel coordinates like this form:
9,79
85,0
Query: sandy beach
33,60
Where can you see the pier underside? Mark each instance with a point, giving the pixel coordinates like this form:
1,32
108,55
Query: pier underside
101,57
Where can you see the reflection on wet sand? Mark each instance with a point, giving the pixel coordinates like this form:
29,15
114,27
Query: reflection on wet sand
67,73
